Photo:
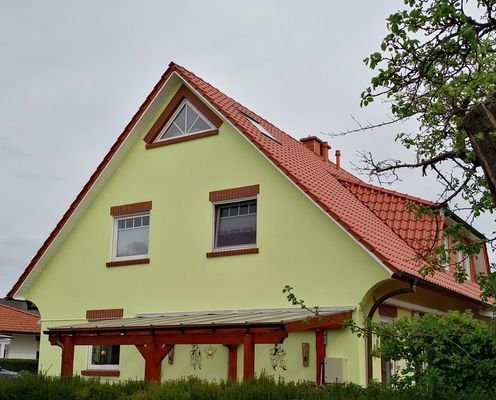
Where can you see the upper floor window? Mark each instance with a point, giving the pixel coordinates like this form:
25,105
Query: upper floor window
131,231
235,221
445,257
187,120
236,224
464,261
131,236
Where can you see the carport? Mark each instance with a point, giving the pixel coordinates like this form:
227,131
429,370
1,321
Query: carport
154,335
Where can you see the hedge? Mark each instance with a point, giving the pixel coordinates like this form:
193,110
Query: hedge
39,387
18,365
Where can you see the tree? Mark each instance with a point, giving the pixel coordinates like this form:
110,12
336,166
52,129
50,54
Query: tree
454,351
437,65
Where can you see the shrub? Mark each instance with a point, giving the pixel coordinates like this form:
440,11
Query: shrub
39,387
453,352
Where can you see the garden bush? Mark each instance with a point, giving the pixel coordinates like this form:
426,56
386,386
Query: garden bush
39,387
454,351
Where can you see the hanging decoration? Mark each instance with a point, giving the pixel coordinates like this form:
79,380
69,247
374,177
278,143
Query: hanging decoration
211,350
196,356
277,354
171,356
305,353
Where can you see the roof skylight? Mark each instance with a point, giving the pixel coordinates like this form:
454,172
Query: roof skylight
260,128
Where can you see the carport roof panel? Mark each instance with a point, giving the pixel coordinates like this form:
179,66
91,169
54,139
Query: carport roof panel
209,318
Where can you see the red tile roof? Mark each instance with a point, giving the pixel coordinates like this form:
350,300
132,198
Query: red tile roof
374,216
395,209
13,320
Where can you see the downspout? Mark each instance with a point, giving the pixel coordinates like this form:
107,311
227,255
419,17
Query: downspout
370,315
59,343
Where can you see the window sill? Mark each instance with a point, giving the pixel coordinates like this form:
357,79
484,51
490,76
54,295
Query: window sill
100,372
123,263
233,252
184,138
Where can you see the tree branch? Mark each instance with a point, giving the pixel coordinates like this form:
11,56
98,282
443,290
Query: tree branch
362,128
392,165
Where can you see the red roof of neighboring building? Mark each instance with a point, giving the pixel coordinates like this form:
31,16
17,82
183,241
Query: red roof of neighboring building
376,217
13,320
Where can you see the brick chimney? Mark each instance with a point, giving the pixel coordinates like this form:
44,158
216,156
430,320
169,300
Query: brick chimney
325,151
312,143
319,147
338,159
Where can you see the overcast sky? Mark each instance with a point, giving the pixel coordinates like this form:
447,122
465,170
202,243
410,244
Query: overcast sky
73,73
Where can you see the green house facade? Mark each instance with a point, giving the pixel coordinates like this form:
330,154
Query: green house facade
172,259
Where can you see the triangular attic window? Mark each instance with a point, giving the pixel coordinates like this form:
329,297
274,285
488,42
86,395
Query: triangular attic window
187,120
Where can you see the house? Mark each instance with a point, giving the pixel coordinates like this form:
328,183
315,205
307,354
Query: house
19,332
172,259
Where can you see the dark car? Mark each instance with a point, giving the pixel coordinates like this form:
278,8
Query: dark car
5,373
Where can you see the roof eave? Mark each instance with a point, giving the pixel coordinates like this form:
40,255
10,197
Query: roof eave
404,276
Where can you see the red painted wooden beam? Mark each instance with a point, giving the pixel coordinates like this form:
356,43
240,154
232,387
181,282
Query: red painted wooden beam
123,338
173,329
325,322
114,339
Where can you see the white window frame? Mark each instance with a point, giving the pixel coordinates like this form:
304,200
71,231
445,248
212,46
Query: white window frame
446,242
465,261
173,117
115,237
102,366
215,222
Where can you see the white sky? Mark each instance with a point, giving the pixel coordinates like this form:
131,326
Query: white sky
73,73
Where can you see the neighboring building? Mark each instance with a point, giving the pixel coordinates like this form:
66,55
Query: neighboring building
19,333
172,259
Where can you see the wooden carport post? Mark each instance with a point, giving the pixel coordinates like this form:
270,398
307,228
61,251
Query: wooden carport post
232,362
67,367
248,357
319,355
153,355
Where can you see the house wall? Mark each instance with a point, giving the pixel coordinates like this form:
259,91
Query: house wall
23,346
299,245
